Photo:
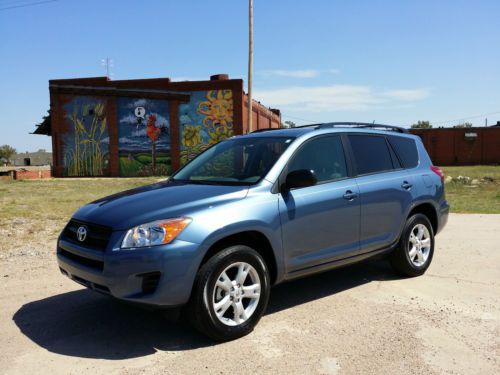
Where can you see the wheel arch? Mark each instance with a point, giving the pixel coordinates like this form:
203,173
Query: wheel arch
252,238
427,209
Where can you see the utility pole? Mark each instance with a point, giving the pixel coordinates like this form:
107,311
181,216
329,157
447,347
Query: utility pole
250,63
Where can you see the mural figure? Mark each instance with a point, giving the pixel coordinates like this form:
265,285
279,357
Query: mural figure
144,137
86,141
207,119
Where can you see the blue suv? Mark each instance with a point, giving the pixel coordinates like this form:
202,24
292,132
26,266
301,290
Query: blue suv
257,210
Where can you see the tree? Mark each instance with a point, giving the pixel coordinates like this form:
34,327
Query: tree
288,124
464,125
6,152
422,125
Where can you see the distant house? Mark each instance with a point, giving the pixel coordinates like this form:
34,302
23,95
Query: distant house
38,158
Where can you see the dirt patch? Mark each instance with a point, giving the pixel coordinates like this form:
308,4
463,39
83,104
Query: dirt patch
357,320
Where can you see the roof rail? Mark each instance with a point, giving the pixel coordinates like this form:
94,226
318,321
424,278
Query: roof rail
369,125
398,129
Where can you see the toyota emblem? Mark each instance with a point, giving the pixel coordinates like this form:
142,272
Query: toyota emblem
81,234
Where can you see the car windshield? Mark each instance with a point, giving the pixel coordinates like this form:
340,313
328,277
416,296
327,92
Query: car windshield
236,161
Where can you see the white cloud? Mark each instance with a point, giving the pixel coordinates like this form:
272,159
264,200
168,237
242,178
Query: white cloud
161,121
300,73
123,140
128,119
406,95
336,97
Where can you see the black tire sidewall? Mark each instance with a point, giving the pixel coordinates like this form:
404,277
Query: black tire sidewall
211,325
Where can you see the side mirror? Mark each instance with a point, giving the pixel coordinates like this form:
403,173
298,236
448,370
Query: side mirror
300,178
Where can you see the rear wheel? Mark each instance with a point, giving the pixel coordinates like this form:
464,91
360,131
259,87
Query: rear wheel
230,293
416,247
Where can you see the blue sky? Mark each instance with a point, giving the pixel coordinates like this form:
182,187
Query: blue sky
389,61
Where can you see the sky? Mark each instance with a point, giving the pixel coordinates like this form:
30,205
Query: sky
392,62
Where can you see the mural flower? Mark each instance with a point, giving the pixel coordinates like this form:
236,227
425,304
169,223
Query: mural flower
219,134
218,109
191,135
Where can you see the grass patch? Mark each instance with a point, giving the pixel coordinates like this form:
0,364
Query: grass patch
54,201
474,198
57,199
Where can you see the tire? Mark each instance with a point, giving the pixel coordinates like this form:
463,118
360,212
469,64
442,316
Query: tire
212,290
413,255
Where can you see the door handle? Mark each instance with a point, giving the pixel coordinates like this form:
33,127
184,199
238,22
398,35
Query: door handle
406,185
349,195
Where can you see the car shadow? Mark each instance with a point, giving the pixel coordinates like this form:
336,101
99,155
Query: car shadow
85,324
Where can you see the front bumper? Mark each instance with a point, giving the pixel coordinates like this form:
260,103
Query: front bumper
162,275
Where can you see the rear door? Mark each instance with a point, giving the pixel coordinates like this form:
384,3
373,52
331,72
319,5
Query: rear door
385,190
320,223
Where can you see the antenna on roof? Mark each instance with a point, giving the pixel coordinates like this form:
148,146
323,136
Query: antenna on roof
108,65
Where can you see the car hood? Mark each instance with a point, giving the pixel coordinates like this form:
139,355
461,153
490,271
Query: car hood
154,202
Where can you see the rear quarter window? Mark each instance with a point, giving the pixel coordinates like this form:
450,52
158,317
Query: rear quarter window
406,149
371,153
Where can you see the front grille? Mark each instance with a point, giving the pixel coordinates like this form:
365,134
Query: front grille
97,236
150,282
91,263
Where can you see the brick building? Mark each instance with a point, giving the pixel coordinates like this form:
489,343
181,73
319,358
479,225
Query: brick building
143,127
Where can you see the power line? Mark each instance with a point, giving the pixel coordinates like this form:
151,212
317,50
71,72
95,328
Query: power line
28,4
300,119
466,118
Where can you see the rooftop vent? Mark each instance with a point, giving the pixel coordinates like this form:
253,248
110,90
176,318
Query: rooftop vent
219,77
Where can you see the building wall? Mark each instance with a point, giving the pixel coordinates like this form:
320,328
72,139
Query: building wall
37,158
24,173
461,146
109,134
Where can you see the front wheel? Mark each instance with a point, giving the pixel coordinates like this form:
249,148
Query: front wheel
230,293
414,253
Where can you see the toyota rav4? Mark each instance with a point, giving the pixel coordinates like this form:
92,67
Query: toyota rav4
256,210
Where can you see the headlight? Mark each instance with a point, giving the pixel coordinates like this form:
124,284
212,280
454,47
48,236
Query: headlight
159,232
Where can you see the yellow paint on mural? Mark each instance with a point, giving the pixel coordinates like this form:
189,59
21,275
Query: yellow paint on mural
191,135
217,109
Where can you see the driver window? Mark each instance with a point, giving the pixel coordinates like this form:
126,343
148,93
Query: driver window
324,155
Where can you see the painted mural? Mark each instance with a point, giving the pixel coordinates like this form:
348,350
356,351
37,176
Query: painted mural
86,142
205,120
144,137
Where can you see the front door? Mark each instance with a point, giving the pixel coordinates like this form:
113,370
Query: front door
320,223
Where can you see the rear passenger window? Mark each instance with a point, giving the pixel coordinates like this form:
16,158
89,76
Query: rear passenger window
406,149
371,153
324,155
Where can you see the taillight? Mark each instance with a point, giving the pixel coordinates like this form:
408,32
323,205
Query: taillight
438,171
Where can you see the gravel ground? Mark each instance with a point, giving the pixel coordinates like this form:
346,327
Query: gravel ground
357,320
